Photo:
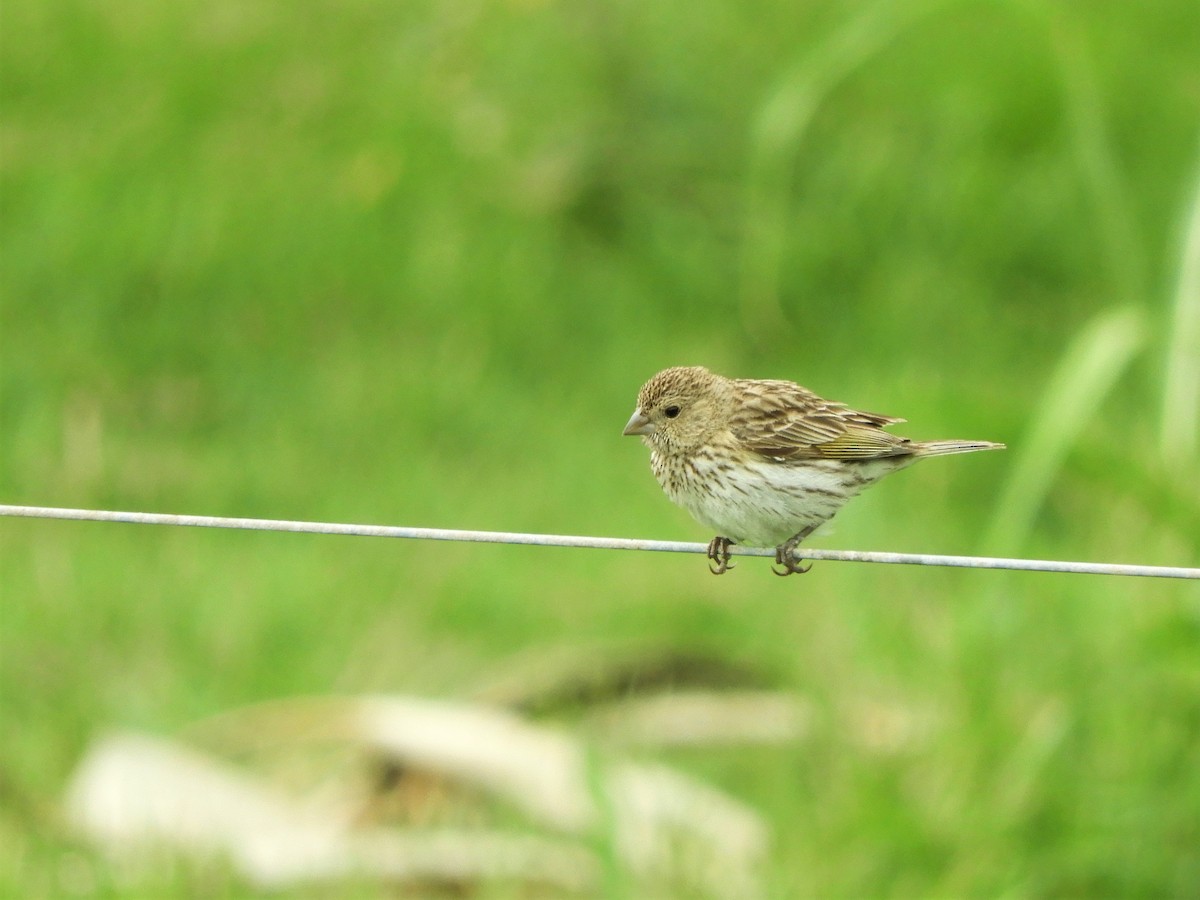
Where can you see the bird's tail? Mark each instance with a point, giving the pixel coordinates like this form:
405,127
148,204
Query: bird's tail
942,448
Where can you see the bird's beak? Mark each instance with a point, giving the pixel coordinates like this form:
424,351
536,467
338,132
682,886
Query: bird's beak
639,423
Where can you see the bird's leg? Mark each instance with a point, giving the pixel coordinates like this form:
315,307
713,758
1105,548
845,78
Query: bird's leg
718,552
785,554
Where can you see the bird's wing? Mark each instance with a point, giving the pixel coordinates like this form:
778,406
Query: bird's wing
785,421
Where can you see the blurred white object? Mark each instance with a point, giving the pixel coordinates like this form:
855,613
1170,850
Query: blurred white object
135,794
132,793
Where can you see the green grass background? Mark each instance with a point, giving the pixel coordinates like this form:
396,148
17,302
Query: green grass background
409,263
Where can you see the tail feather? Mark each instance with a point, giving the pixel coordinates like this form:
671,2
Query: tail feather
942,448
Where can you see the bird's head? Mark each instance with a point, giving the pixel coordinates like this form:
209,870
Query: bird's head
680,409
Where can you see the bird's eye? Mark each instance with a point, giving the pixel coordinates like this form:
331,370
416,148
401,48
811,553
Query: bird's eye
671,411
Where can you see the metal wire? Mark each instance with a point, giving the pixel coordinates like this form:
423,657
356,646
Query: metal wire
600,543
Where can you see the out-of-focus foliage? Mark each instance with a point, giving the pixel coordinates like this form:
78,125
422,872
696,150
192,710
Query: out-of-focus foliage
409,263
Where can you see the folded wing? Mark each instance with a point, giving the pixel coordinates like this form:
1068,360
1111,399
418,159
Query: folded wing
785,421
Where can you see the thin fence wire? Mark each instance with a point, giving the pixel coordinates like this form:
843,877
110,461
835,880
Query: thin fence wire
599,543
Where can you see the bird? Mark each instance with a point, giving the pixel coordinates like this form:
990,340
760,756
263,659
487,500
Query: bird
765,463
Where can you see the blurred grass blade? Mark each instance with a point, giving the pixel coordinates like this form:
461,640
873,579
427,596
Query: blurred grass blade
776,132
1181,390
1090,368
1115,220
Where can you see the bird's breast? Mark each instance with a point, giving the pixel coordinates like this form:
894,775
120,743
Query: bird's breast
756,500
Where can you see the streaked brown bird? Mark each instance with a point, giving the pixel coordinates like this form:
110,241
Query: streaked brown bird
765,463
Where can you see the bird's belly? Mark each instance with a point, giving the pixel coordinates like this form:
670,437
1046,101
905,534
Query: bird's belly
764,502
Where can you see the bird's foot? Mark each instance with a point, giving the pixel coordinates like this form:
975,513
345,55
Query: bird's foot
785,555
718,552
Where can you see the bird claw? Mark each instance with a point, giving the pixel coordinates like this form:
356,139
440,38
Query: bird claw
785,555
790,568
718,552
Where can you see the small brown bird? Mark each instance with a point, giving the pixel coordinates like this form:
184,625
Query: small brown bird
765,463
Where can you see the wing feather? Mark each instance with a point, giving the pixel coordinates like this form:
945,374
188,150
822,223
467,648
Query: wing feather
783,420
